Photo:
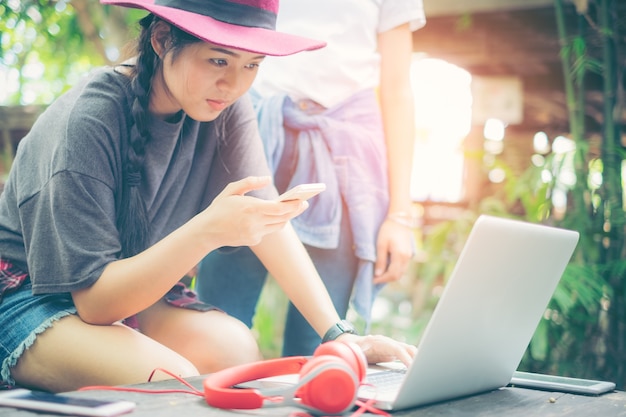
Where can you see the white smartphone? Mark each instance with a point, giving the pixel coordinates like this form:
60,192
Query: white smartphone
561,383
302,192
63,404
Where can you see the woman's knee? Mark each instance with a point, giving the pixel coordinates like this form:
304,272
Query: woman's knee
228,342
211,340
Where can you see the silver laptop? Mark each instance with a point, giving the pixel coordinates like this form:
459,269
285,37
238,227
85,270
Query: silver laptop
487,314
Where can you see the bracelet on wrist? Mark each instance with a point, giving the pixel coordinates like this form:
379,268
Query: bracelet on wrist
405,219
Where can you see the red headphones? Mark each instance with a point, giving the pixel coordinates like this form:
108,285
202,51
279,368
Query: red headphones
327,383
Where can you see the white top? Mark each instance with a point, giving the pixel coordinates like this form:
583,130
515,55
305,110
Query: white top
350,62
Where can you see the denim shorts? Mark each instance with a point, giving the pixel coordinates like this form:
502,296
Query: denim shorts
23,316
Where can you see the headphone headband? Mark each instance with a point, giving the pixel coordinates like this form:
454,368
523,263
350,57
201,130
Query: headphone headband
327,383
217,386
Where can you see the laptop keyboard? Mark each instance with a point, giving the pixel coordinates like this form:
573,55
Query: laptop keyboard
387,380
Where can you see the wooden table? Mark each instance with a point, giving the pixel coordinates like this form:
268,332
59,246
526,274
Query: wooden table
508,401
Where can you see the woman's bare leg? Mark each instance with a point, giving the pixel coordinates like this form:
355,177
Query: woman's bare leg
72,354
211,340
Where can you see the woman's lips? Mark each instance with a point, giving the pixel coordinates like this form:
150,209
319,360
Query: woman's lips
217,105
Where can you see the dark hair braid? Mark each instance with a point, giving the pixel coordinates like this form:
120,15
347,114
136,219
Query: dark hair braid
132,221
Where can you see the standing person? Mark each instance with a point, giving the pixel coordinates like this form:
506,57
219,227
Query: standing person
125,183
342,115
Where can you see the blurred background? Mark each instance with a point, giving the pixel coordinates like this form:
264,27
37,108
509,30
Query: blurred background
521,113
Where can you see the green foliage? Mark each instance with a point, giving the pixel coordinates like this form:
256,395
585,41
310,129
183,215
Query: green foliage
567,339
37,34
575,322
269,320
582,61
46,46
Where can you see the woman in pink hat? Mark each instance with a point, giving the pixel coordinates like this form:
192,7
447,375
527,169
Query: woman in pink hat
125,183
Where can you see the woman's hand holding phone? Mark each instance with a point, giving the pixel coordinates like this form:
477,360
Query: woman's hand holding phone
235,219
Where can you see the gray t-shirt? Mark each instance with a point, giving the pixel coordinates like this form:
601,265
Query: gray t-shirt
59,206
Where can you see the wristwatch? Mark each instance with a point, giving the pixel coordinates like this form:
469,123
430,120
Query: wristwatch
337,330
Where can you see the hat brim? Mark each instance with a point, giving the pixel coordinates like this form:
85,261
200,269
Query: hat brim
250,39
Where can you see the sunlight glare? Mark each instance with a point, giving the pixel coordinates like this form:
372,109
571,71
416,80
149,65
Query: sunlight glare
381,308
443,119
9,82
541,144
15,5
54,29
538,160
559,199
494,147
595,180
60,6
494,130
567,178
112,53
563,145
34,70
497,175
34,15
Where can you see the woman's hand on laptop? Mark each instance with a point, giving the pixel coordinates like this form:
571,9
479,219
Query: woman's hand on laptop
378,348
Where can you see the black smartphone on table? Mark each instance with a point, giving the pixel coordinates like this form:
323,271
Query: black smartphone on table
561,383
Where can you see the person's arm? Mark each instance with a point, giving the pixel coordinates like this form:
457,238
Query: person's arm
130,285
287,261
394,248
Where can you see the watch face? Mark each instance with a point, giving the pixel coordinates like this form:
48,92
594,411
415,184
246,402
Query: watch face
345,326
338,329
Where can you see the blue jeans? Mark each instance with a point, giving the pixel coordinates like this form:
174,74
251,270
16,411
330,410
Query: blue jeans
232,280
23,316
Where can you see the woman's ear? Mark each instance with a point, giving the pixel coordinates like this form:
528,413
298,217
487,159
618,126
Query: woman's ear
161,38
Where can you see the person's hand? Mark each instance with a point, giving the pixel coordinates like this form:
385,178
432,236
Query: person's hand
378,348
393,252
234,219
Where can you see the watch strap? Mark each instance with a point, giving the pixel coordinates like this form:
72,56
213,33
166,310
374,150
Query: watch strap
337,330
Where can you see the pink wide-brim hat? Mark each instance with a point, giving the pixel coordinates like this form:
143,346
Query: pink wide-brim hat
248,25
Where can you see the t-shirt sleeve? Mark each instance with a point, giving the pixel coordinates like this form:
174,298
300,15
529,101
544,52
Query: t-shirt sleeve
69,233
69,221
394,13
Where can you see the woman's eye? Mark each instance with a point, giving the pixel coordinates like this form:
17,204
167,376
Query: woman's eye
253,66
219,62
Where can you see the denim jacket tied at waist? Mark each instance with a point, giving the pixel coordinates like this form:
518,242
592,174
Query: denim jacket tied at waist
344,148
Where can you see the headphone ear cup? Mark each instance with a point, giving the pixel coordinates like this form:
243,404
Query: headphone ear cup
332,387
351,353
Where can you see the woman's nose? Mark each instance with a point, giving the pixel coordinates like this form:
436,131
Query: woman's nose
230,81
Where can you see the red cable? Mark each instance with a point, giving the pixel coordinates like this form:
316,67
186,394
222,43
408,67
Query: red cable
367,406
363,406
192,390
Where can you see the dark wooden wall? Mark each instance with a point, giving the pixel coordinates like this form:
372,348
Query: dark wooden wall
523,43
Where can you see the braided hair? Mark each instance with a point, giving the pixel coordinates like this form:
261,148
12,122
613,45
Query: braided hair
132,220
